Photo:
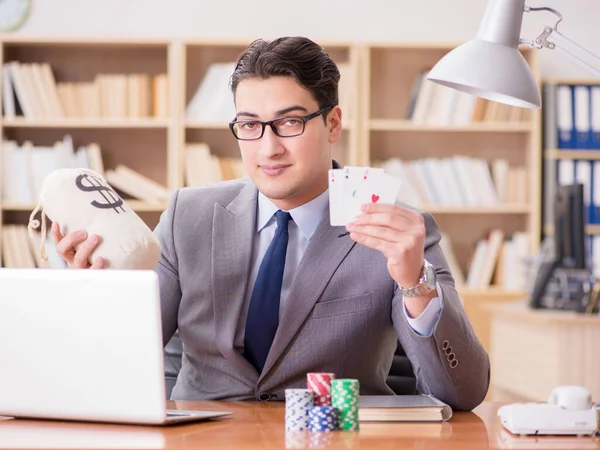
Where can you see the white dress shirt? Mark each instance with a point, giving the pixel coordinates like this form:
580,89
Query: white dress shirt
305,220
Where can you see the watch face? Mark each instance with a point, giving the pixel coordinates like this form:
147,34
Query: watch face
13,13
430,275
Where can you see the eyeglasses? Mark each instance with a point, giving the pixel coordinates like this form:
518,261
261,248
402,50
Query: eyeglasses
289,126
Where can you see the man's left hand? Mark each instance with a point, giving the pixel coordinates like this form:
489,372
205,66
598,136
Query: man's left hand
399,234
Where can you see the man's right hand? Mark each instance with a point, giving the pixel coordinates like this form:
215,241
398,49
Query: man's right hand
65,246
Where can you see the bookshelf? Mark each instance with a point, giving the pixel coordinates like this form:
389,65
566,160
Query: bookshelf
181,130
571,150
406,117
131,99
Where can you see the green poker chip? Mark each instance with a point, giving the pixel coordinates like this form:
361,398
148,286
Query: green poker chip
345,395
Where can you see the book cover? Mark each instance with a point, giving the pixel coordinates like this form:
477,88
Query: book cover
402,408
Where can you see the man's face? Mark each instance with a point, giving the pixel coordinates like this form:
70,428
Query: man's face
288,170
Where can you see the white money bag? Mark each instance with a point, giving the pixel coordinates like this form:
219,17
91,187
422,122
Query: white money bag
81,199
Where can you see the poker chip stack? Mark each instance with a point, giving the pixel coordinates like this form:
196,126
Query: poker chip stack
345,394
320,384
328,404
322,418
298,403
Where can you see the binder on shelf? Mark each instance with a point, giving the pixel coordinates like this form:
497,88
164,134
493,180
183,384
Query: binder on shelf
595,117
581,117
595,208
565,117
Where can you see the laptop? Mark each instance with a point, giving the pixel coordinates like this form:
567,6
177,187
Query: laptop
84,345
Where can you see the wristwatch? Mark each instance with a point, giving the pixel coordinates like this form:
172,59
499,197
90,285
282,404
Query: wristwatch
426,283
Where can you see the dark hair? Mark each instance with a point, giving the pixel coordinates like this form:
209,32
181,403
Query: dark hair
297,57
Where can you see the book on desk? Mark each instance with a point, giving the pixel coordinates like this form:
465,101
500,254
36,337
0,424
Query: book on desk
403,408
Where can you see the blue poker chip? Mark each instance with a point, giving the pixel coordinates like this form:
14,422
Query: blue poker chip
322,418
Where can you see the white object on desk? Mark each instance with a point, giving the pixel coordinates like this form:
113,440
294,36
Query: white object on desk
569,411
84,345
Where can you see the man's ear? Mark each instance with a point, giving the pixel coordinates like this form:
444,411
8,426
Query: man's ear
334,124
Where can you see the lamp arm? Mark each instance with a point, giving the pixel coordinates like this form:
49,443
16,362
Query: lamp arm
552,39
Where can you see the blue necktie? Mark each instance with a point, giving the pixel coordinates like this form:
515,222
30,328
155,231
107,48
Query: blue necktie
263,313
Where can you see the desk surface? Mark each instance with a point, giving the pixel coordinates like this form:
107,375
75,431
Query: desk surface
261,425
520,310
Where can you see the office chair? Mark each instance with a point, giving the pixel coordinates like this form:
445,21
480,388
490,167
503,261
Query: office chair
401,378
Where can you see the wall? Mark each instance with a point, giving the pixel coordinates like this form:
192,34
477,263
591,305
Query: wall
418,20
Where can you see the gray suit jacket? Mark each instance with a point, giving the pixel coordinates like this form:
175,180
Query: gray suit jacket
344,314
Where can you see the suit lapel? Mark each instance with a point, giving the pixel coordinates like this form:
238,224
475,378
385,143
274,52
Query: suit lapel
324,254
232,236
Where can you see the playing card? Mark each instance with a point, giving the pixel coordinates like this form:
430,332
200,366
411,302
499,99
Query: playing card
381,188
336,195
351,187
343,184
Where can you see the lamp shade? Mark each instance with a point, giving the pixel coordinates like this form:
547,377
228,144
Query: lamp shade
491,66
491,70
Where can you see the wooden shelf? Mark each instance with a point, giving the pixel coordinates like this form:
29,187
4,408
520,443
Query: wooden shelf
592,154
141,206
136,205
491,293
84,123
407,125
591,229
584,81
493,209
207,126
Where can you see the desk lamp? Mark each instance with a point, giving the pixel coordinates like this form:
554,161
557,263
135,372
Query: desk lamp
491,66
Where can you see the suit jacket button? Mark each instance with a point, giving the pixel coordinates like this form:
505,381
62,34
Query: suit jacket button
264,396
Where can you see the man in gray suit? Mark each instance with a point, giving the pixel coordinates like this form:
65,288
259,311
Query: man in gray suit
262,289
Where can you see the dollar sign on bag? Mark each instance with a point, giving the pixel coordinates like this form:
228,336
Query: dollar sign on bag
110,197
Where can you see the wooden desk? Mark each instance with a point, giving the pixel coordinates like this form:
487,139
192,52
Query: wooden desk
534,351
261,425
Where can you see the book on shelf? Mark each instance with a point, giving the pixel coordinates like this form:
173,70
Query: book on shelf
31,90
458,181
21,250
485,263
499,259
160,96
203,167
402,408
133,183
434,104
453,264
213,101
25,166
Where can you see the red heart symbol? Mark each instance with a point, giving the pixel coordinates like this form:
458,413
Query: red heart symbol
374,198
